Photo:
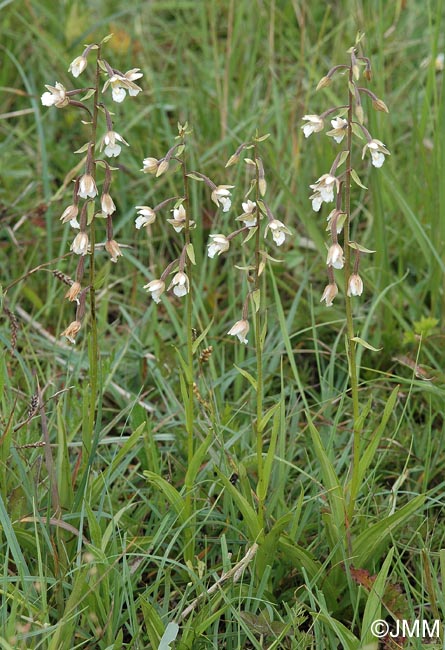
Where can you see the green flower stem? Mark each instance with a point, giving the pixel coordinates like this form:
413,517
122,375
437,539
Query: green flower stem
349,318
189,553
259,353
94,351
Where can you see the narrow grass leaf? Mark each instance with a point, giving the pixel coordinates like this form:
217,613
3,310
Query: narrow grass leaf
249,514
369,453
374,602
171,494
369,540
247,376
153,623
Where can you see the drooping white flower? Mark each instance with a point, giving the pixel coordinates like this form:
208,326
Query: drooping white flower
56,96
109,141
78,65
314,124
87,187
339,217
179,219
240,329
249,217
146,216
278,230
107,204
156,288
180,284
80,244
338,132
120,83
219,244
323,191
221,196
73,292
113,249
71,331
355,285
329,293
155,166
335,257
70,213
150,165
377,150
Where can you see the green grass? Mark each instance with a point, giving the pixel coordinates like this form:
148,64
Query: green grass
97,551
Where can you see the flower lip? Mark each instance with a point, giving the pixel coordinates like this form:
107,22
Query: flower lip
338,132
377,150
180,284
110,143
56,96
278,230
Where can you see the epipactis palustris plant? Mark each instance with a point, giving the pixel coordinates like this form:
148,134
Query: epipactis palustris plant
177,276
258,223
82,213
335,187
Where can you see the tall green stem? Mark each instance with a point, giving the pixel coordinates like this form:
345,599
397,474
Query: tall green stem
189,322
349,318
259,353
94,352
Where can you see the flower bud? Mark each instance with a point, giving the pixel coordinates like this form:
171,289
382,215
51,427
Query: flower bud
232,160
162,167
380,105
359,113
323,83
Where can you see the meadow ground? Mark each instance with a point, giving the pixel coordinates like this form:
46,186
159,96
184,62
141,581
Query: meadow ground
163,484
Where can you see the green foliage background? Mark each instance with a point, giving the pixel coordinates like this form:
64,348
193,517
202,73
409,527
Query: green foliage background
229,68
